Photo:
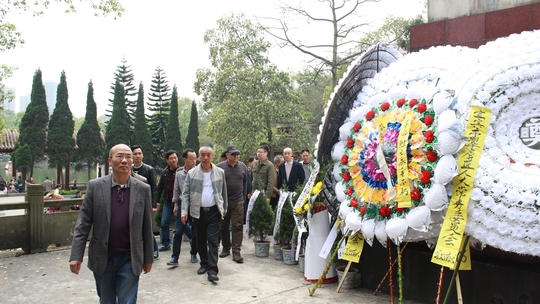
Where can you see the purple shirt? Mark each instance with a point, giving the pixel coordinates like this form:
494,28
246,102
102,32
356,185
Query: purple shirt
119,241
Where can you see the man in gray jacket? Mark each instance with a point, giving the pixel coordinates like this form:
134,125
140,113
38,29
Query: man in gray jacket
205,196
118,211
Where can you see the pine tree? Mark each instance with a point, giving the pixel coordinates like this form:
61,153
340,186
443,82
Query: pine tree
60,142
141,135
173,138
117,131
91,145
124,75
33,126
192,138
159,104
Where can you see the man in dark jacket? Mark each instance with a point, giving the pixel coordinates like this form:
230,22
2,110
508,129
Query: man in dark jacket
166,187
147,174
291,173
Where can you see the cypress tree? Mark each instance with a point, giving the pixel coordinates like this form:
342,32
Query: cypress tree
91,145
117,131
192,138
141,135
60,140
159,104
24,156
173,138
33,126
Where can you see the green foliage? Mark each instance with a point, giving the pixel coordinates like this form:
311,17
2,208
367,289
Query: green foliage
23,157
159,104
60,140
286,224
192,138
248,96
260,219
396,30
173,139
91,145
117,131
71,192
141,136
11,119
32,130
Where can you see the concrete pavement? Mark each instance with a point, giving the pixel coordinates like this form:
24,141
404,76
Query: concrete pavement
45,278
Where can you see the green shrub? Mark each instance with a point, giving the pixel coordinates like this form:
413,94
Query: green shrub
260,219
287,224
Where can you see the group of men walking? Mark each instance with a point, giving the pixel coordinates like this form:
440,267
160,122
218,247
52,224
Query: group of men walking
207,200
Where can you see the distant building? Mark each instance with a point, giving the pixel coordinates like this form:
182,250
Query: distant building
24,101
50,93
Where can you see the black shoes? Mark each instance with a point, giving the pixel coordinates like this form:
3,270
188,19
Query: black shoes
202,270
193,258
238,258
165,248
212,277
173,262
224,254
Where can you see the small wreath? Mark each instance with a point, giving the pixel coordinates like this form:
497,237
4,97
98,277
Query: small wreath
365,181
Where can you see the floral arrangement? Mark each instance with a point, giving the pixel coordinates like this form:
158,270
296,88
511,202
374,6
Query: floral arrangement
504,207
309,197
366,183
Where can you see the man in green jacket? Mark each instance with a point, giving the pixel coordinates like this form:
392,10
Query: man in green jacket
263,172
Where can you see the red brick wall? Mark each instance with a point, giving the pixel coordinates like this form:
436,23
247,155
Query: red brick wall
475,30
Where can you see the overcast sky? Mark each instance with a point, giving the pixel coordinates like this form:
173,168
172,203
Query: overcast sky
167,33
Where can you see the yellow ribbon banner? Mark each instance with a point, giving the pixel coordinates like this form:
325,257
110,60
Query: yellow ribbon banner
403,185
354,248
453,227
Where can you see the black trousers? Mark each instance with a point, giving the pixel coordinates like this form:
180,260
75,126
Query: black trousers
207,230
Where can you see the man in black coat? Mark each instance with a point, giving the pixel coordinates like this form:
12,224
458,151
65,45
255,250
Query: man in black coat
291,173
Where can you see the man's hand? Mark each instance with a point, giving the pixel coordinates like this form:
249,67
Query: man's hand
268,200
147,268
175,209
224,214
75,266
249,195
183,217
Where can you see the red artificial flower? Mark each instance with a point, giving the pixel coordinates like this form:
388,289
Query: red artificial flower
425,177
421,108
350,143
428,120
385,106
429,136
370,115
346,176
344,159
415,195
399,209
354,203
356,127
413,102
431,156
363,209
400,102
350,191
384,211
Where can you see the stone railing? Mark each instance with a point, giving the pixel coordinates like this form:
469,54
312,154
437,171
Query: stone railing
25,225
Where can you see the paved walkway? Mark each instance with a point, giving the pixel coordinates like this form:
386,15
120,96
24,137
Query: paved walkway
45,278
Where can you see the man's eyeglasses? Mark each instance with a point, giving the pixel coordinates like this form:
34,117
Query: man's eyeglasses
122,156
